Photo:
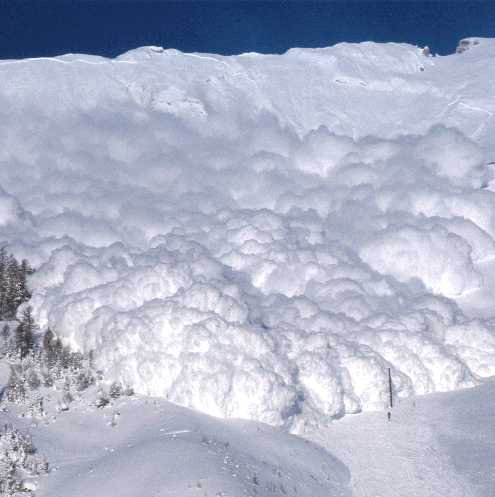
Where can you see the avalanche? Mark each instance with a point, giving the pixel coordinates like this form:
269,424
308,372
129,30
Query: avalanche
258,236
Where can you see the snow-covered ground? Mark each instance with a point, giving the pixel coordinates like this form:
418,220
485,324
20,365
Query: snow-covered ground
4,375
434,446
154,448
259,236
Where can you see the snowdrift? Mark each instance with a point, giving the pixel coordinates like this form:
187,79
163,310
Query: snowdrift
157,448
258,236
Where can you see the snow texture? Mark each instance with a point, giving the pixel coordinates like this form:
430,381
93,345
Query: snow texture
157,448
4,376
259,236
436,445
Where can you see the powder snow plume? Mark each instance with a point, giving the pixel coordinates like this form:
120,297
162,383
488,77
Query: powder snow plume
258,236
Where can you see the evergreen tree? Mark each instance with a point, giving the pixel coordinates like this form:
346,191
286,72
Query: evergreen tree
14,297
16,388
3,283
48,340
13,284
52,350
25,271
5,338
25,333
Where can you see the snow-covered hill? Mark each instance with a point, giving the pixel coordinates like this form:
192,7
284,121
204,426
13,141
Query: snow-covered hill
157,448
259,236
435,446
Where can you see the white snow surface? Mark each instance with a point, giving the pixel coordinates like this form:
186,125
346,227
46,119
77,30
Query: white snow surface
258,236
434,446
4,376
157,448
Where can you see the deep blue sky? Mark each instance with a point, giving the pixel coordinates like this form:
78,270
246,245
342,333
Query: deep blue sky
40,28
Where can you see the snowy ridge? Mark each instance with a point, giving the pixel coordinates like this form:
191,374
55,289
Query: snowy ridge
435,445
160,449
257,236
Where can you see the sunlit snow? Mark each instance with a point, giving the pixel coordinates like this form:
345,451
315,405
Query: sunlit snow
259,236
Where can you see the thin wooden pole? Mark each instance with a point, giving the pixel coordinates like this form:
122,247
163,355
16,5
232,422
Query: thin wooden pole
390,388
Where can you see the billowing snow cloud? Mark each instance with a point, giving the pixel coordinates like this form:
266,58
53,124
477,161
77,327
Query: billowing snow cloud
10,210
246,255
440,259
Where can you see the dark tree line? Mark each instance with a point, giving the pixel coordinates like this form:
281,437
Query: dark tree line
40,360
13,293
13,284
36,359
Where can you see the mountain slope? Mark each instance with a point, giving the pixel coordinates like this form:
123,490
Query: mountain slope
150,447
436,445
258,237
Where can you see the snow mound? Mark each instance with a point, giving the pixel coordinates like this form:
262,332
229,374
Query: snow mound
223,233
157,448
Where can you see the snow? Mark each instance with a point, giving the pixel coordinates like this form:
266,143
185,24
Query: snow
260,236
4,376
436,445
157,448
437,257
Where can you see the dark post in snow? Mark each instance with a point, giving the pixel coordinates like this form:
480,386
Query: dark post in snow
390,388
391,401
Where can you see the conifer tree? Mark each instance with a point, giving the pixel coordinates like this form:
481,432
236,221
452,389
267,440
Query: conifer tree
3,283
25,271
14,297
5,338
25,333
52,349
13,284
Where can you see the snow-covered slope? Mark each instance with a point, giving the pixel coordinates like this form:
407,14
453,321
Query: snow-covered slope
434,446
353,89
152,447
4,376
437,445
259,236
